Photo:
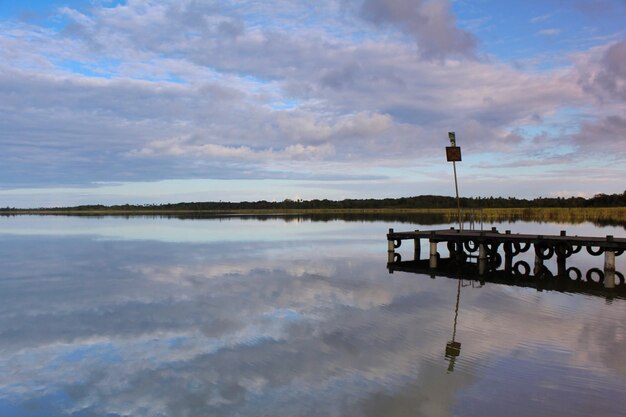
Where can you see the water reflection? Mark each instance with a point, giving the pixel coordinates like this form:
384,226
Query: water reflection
453,347
572,279
92,327
471,218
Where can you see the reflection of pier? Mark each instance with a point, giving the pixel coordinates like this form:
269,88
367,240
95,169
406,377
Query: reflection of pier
591,283
477,255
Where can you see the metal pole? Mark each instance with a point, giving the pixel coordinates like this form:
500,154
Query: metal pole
458,201
453,154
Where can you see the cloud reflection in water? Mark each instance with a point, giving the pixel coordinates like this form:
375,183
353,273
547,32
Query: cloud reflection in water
92,327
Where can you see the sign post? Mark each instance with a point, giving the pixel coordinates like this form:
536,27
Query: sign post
453,154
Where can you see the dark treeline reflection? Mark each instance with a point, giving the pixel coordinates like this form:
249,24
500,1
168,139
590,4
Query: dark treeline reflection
412,218
471,217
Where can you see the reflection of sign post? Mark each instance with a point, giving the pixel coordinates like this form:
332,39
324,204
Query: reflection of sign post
453,348
453,154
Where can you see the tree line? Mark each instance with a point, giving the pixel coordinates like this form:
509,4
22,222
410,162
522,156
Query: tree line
422,201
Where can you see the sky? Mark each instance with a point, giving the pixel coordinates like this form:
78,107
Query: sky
143,102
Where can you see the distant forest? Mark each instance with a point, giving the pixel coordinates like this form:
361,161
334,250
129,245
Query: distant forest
417,202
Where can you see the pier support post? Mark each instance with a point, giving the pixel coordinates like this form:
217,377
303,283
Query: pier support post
561,266
390,248
609,269
482,259
508,255
538,265
416,248
459,253
433,254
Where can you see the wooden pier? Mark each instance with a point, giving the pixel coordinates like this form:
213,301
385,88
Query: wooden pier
487,248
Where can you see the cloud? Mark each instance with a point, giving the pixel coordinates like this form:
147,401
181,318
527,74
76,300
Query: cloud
159,90
304,126
541,18
598,8
549,32
528,163
190,147
608,78
431,23
604,137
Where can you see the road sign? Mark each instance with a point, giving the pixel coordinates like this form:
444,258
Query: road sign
453,153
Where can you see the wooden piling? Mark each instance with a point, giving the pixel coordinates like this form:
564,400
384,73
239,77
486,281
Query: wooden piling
416,248
390,243
508,255
391,248
482,259
433,254
609,269
538,265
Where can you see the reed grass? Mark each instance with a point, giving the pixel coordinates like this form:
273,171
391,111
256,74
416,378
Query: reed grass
553,215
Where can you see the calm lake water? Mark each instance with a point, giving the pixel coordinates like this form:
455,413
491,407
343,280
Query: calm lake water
286,317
